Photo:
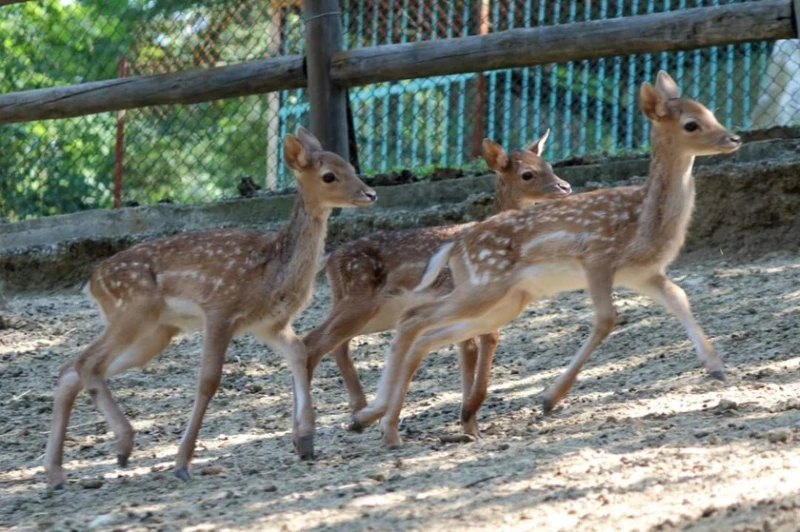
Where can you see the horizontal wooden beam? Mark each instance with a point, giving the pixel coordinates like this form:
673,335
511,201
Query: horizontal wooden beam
9,2
193,86
675,30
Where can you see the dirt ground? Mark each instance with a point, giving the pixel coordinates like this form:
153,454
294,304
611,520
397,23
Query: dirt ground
645,441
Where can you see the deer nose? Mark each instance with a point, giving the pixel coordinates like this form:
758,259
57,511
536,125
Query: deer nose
736,139
370,194
562,188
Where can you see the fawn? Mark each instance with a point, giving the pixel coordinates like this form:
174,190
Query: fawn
225,282
621,236
372,278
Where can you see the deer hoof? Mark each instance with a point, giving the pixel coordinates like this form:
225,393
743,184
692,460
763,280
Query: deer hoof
548,405
182,474
305,447
355,426
717,374
122,460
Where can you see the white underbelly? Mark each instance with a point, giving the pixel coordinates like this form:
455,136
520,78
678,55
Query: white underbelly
548,279
183,314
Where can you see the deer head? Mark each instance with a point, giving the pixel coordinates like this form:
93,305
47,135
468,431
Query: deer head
524,173
690,127
324,178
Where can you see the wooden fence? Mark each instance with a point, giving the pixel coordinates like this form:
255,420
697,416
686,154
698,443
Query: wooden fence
327,70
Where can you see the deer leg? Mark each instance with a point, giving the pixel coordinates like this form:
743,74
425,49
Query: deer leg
91,367
215,343
430,340
414,322
487,344
67,389
357,399
91,363
346,320
468,352
418,320
293,349
671,296
600,287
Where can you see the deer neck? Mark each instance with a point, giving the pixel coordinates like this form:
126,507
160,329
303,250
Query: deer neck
300,243
668,198
504,199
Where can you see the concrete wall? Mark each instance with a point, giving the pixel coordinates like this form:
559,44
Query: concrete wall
754,190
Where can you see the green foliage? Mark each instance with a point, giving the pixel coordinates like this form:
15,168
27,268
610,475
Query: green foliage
186,153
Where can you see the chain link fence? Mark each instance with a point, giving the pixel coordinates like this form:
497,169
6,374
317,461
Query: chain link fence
205,152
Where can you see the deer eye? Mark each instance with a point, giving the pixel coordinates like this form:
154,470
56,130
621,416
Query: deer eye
329,177
527,176
690,126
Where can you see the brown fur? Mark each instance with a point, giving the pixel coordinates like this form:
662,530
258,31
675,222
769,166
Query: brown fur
372,278
621,236
226,282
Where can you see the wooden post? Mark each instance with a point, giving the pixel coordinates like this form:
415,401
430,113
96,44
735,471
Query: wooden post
328,102
119,150
479,112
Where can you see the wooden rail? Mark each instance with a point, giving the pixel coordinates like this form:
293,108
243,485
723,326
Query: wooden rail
192,86
670,31
675,30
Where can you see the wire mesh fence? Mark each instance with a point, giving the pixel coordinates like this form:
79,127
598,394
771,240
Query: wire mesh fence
201,152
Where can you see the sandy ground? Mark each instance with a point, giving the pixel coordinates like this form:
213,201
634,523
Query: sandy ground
645,441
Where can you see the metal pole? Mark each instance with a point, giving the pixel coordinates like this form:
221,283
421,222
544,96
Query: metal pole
119,151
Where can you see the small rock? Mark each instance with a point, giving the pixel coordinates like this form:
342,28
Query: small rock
212,470
779,436
101,520
701,434
254,387
792,404
714,439
379,477
91,483
725,405
270,488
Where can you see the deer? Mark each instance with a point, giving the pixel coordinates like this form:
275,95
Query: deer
372,279
225,282
624,236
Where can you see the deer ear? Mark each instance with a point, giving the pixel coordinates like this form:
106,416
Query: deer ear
651,102
494,155
537,147
666,86
308,138
295,153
